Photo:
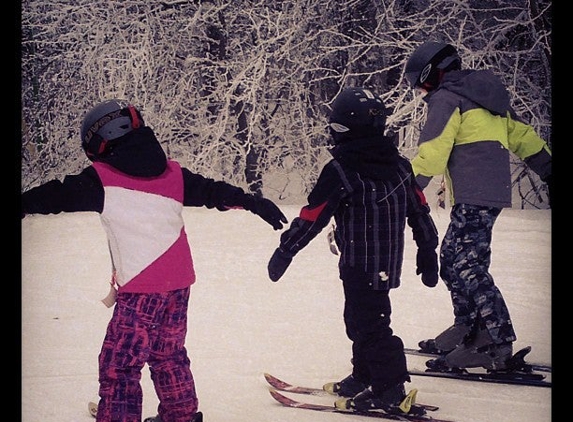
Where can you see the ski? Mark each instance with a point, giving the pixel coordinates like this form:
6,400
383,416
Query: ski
540,367
288,402
514,378
281,385
517,371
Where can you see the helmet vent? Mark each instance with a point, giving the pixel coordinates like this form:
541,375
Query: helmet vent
425,73
337,127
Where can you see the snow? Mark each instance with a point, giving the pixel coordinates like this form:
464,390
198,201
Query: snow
242,325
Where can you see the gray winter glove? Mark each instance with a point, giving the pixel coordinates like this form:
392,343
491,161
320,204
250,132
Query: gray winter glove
278,264
427,265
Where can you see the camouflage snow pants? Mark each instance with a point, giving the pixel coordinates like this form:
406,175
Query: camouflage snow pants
146,328
465,257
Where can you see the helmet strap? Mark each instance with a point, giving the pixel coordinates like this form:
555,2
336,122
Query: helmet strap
135,122
432,83
102,146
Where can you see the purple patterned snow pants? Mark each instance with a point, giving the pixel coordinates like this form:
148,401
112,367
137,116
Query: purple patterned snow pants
146,328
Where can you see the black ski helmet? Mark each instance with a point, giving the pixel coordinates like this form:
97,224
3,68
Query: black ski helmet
107,121
356,113
428,61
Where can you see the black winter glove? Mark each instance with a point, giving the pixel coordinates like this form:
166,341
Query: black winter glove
427,265
278,264
267,210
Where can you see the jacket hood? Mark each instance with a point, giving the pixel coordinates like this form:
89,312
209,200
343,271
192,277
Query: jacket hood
480,86
138,153
374,157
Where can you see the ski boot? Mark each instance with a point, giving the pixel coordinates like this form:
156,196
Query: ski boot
446,341
492,357
394,400
198,417
439,364
348,387
480,351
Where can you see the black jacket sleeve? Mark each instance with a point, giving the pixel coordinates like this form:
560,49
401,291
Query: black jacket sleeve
419,218
80,192
323,201
200,191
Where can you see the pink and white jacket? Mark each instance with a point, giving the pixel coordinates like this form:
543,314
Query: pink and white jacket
134,208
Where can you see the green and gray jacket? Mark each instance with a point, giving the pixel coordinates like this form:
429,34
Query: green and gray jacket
469,133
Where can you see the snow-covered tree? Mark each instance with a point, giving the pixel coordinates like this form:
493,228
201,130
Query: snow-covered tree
238,90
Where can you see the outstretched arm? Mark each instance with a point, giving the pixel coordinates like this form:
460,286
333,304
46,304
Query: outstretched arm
200,191
81,192
313,217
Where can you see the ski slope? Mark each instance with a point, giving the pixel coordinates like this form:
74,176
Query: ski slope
242,325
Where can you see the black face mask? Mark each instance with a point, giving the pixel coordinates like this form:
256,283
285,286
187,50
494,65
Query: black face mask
375,157
137,153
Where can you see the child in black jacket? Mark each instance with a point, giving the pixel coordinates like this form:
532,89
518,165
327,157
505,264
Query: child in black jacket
370,190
